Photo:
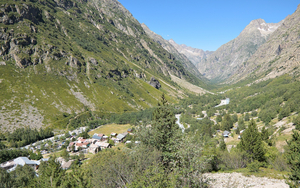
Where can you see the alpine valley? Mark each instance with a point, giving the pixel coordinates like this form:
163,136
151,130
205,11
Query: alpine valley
90,97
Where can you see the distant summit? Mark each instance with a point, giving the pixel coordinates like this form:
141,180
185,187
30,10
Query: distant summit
278,56
193,54
227,59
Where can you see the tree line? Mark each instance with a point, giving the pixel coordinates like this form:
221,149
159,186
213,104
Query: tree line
24,136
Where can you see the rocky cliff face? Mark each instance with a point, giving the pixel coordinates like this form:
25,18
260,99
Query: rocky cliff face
193,54
67,56
227,59
278,56
171,49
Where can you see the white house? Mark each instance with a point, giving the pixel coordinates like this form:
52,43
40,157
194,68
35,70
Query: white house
12,164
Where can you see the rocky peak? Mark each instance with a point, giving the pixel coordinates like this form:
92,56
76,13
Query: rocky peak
195,55
279,55
264,28
227,59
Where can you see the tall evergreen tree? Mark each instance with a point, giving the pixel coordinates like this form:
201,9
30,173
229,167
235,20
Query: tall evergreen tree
222,145
251,143
227,123
265,136
247,117
50,174
219,118
5,179
234,118
22,176
165,130
293,158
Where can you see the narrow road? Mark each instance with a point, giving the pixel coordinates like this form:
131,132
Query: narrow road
205,115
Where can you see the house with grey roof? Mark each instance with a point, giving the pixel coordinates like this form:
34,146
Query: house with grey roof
95,136
120,137
226,134
12,164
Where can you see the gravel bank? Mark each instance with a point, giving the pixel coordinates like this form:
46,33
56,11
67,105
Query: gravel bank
237,180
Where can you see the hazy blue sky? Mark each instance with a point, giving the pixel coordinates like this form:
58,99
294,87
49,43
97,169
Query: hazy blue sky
206,24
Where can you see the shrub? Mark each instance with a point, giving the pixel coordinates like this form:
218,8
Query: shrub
233,160
254,166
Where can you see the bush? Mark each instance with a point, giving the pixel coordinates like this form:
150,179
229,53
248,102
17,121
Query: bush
233,160
254,166
280,163
296,122
253,113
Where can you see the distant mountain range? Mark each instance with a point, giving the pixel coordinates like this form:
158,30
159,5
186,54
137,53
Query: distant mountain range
261,51
227,59
193,54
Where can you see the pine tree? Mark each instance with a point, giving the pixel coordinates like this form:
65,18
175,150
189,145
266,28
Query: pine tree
293,158
264,134
222,145
247,117
227,123
251,143
164,128
219,118
50,174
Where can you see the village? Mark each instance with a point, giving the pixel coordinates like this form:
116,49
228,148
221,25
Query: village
82,143
71,146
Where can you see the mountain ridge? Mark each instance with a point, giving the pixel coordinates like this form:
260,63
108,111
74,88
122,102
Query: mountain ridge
171,49
68,56
227,59
195,55
278,56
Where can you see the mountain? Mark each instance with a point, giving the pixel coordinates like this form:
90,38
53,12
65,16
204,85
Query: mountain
171,49
227,59
62,57
193,54
278,56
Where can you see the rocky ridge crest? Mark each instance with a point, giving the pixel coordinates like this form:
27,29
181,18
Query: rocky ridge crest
278,56
193,54
227,59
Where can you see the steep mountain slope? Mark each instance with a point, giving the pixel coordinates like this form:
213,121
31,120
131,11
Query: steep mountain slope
67,56
278,56
193,54
227,59
171,49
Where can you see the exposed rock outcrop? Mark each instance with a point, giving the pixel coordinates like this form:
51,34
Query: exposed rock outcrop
154,83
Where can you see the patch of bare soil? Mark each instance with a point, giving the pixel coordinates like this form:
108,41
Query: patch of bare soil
189,86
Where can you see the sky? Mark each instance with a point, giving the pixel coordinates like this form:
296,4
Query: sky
206,24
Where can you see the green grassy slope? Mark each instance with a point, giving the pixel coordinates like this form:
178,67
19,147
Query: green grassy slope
68,56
